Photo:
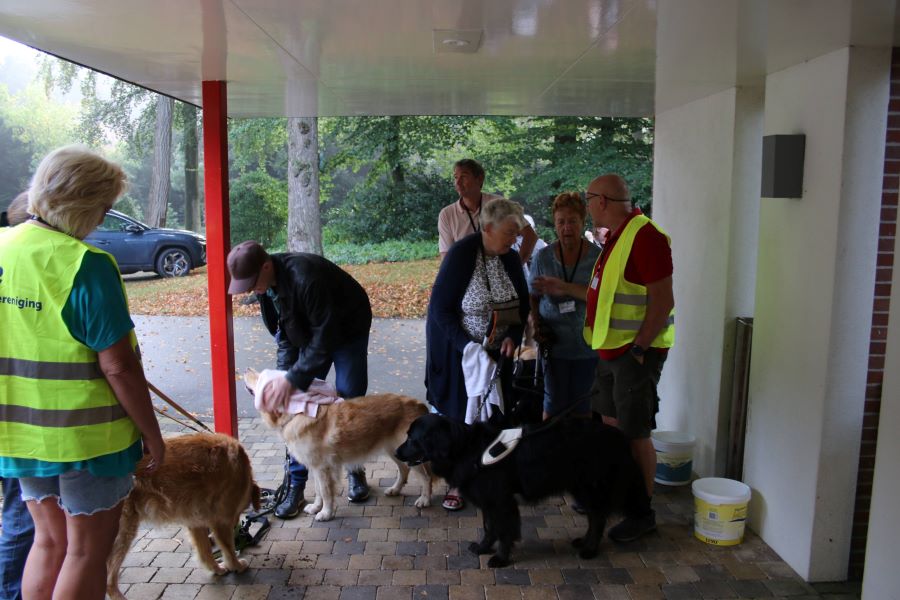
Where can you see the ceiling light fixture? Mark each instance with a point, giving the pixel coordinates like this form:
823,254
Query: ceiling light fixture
464,41
456,43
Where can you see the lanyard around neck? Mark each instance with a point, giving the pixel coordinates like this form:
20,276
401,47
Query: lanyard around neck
475,228
562,260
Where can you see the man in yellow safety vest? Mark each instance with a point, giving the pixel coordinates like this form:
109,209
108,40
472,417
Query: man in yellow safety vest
630,323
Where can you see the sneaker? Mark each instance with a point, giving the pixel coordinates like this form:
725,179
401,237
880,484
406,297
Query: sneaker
633,527
357,487
290,506
577,507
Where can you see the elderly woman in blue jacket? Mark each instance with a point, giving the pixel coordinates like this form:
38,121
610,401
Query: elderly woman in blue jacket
478,273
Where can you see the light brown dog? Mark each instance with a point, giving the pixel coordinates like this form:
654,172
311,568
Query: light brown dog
348,433
204,484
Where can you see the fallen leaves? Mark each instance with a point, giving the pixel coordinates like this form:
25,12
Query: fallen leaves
398,290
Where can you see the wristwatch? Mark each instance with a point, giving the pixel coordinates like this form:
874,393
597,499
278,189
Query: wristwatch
638,351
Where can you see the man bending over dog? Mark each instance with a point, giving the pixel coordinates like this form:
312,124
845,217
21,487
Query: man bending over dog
319,316
630,323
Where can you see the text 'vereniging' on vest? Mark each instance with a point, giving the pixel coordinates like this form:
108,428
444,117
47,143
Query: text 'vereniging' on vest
22,303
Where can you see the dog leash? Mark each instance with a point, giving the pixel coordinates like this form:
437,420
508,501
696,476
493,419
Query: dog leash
491,384
174,405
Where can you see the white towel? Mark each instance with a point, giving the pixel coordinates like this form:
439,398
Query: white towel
306,403
478,370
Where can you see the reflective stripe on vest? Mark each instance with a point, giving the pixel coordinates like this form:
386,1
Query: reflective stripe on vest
55,404
622,305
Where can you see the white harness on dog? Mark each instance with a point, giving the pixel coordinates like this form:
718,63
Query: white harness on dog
501,447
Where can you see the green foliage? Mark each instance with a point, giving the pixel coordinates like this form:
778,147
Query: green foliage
388,177
36,122
16,160
258,209
349,253
258,144
384,210
535,158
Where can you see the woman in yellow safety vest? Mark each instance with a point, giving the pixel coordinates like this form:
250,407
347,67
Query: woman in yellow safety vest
74,405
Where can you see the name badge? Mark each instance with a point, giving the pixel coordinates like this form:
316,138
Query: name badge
594,282
567,307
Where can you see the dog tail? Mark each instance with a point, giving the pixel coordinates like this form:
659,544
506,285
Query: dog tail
255,500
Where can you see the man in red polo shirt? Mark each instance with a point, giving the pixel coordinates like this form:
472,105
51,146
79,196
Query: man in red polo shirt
630,323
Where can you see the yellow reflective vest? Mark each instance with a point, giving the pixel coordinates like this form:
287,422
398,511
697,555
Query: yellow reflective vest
55,404
622,305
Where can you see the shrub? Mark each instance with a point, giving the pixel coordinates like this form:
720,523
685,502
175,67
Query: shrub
258,209
387,211
346,253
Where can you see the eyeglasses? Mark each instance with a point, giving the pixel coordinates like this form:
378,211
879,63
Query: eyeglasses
589,195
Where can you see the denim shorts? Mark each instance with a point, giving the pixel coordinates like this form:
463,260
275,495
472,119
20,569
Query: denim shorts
78,492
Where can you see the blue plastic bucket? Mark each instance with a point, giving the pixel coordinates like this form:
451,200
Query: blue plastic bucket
674,457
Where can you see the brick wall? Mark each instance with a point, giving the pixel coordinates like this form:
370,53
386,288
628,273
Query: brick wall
880,312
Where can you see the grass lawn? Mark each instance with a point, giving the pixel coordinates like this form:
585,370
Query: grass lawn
395,289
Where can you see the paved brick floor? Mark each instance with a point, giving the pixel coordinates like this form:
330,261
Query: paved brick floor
387,549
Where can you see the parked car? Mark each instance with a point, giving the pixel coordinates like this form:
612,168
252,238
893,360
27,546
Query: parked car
139,247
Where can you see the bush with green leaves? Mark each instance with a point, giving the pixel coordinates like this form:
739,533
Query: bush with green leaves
258,209
351,253
385,210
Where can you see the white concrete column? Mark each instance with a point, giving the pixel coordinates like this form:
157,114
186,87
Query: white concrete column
706,196
881,578
814,287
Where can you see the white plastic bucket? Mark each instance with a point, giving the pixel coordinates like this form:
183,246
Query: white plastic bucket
720,510
674,457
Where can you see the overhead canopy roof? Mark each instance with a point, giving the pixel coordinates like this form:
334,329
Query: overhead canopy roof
450,57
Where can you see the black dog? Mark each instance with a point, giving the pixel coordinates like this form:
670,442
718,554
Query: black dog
588,459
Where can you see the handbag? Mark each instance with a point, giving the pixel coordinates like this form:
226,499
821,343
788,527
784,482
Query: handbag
505,314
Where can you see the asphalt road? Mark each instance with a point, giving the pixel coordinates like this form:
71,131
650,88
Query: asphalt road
176,359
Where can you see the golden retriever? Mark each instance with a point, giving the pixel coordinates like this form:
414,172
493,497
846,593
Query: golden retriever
348,433
204,484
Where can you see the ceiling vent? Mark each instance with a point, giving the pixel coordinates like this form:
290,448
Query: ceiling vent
457,41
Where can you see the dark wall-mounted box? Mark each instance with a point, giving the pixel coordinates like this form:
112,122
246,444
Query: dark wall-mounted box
782,166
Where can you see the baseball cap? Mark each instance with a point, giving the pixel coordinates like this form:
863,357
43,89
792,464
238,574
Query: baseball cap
244,263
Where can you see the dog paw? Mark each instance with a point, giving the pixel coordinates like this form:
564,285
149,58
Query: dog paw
423,502
312,509
242,565
393,491
496,562
476,548
220,569
324,515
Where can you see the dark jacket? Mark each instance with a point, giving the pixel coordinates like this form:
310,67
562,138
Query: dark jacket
320,308
445,338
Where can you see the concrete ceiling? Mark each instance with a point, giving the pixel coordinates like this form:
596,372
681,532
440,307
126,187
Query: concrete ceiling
520,57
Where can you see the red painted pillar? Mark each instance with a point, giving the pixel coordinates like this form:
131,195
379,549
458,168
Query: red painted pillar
218,234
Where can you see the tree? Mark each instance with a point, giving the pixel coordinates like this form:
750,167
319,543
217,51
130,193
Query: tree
158,200
304,221
135,118
190,148
36,122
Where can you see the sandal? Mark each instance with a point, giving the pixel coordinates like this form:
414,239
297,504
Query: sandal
453,502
